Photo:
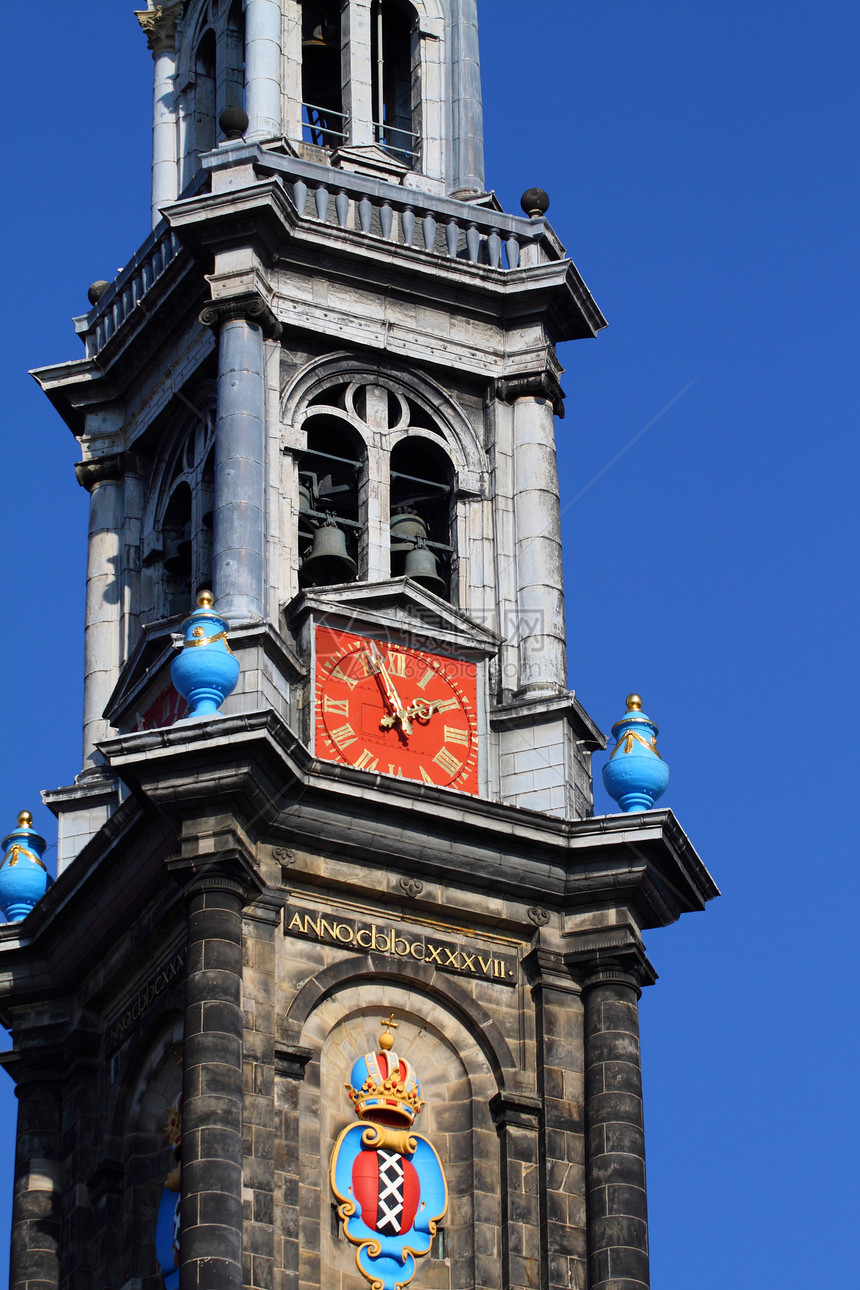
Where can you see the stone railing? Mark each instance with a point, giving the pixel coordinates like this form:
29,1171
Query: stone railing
372,208
404,216
128,288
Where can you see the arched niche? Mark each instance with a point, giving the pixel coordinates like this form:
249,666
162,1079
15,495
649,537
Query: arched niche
457,1083
151,1086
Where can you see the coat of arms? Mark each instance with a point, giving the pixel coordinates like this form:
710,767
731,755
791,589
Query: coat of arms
389,1181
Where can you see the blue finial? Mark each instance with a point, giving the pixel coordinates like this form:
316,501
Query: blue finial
635,775
23,876
205,670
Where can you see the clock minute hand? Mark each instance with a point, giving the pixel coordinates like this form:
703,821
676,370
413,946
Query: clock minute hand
389,690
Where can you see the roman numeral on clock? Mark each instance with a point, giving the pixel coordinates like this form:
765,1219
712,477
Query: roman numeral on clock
344,735
455,736
426,679
447,705
447,762
351,681
338,707
366,761
397,664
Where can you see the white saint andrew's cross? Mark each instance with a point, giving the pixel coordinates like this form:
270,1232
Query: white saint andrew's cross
390,1185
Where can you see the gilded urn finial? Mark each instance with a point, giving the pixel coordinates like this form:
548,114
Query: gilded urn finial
635,775
24,878
205,670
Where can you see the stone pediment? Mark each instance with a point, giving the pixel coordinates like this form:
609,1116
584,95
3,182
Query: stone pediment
397,605
149,661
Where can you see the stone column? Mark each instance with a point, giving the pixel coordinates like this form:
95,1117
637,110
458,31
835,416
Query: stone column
238,561
357,83
537,528
159,24
35,1253
468,112
517,1120
615,1170
212,1086
263,68
102,478
561,1086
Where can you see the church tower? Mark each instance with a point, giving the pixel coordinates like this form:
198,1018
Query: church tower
324,390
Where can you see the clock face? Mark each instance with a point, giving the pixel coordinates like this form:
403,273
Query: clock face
397,710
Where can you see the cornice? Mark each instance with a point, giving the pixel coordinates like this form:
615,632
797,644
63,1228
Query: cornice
254,765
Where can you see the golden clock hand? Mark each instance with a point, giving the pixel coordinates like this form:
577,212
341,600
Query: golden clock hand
422,709
389,690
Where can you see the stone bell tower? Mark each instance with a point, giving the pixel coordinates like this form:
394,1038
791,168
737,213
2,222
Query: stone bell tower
325,387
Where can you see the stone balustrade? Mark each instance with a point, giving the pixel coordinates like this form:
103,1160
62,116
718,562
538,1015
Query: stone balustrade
404,217
129,287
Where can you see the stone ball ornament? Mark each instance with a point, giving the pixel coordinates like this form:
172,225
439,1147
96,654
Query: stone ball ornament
535,202
97,290
233,122
635,775
24,878
205,670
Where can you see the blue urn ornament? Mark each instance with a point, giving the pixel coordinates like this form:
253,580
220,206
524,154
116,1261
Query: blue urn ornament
24,878
205,670
635,775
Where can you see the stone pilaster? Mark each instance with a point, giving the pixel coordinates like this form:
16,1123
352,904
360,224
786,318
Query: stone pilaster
263,68
262,928
290,1064
36,1199
468,113
158,22
537,536
212,1092
102,477
561,1087
238,554
617,1202
517,1119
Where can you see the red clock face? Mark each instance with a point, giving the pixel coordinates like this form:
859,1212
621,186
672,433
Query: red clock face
400,711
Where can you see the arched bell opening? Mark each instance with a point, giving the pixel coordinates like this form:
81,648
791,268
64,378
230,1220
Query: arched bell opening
178,516
323,119
234,57
422,492
394,66
178,551
332,474
205,63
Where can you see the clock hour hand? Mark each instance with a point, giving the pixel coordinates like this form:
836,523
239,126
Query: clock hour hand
389,690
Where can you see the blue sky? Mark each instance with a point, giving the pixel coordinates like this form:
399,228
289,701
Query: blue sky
701,165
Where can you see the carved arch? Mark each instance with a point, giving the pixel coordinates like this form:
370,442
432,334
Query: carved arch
448,993
458,433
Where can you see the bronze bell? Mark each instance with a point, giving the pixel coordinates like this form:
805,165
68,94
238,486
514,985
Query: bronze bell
422,567
328,560
177,555
306,498
406,527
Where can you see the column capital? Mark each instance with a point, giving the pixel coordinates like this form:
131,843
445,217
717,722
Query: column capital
101,470
548,970
291,1060
533,385
158,23
599,955
230,871
516,1110
248,308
